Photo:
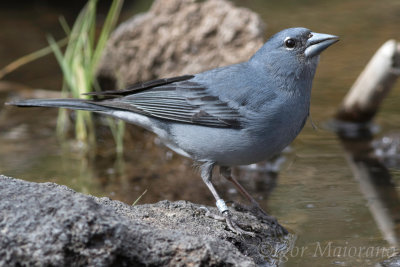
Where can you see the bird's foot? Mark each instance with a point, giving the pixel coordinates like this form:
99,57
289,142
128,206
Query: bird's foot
258,212
233,226
227,216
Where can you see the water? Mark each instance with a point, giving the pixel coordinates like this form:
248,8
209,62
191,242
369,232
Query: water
337,217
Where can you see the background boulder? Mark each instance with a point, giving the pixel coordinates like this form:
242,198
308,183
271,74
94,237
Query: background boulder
177,37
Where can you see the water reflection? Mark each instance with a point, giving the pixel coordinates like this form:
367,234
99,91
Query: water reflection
375,181
260,178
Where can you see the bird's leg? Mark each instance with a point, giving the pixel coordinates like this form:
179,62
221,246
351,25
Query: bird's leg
227,173
206,175
255,208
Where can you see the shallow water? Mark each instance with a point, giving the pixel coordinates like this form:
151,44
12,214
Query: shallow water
338,217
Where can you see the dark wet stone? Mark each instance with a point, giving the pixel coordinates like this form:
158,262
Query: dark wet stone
387,149
45,224
391,262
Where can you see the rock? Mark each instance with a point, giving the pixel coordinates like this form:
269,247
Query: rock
45,224
387,149
177,37
393,261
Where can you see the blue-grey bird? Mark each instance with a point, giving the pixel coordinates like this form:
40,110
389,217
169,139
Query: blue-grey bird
233,115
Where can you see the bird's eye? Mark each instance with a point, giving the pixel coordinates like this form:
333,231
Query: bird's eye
290,43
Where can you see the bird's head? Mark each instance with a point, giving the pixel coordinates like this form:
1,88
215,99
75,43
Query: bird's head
293,48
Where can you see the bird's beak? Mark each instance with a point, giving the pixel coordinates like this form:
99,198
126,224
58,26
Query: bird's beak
318,42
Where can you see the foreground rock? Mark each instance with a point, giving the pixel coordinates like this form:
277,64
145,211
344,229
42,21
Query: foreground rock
51,225
391,262
177,37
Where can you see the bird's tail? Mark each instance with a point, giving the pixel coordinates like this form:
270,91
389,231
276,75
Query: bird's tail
78,104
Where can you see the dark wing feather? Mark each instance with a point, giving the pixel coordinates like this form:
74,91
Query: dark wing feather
137,87
181,101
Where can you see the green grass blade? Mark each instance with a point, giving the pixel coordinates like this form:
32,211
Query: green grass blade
137,200
79,62
109,24
64,25
63,64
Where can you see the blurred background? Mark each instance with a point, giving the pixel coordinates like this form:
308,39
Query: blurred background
315,193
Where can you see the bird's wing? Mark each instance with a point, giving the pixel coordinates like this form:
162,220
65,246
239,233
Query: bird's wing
141,86
176,99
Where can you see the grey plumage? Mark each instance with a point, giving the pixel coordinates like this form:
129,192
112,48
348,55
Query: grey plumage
233,115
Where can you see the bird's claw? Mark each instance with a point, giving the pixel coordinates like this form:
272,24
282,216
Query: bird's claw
233,226
227,216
